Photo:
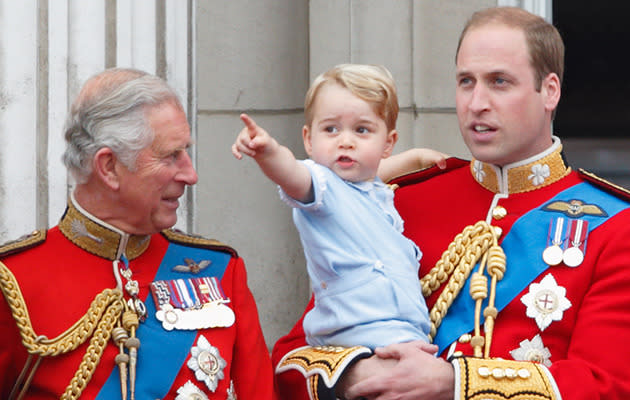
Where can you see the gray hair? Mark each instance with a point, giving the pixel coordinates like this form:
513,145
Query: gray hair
110,111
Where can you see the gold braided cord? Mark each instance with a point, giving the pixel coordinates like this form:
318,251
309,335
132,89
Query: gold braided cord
99,320
451,257
456,262
94,351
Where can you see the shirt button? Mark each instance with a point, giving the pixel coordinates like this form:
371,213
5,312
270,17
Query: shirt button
324,285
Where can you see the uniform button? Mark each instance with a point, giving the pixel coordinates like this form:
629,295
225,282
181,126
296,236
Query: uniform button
499,212
465,338
458,353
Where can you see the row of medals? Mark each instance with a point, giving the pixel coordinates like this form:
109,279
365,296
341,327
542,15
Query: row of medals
567,242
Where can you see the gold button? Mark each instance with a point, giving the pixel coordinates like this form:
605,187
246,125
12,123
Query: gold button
465,338
499,212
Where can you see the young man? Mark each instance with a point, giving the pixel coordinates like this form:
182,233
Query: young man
114,303
536,267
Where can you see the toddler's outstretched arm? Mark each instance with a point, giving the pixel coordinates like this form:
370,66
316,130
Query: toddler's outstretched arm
409,161
276,161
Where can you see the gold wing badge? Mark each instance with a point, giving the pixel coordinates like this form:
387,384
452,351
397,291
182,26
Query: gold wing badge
575,208
192,266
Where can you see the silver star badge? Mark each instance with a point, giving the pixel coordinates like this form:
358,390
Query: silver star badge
533,350
231,392
207,363
189,391
546,302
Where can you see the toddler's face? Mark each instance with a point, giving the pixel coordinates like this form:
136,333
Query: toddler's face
346,135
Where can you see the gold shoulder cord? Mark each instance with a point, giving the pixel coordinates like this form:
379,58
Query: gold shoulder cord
482,377
476,242
104,312
476,378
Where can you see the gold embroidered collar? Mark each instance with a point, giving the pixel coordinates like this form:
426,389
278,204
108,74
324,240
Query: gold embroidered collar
533,173
98,237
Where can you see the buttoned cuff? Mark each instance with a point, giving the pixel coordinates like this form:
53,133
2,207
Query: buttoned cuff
496,379
322,366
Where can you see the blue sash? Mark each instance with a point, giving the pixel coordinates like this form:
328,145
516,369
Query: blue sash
163,353
523,246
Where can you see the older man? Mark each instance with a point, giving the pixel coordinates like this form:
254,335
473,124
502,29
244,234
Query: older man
525,261
111,303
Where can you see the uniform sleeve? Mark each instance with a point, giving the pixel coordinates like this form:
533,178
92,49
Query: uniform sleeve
12,353
598,352
10,350
291,384
251,364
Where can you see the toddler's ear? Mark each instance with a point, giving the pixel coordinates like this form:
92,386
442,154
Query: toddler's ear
392,138
306,137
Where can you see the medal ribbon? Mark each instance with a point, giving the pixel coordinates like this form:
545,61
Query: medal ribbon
558,232
579,230
154,382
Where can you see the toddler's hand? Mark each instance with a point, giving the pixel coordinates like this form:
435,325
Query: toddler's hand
252,140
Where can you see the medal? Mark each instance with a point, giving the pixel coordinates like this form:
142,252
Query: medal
207,363
191,304
190,392
546,302
574,254
552,255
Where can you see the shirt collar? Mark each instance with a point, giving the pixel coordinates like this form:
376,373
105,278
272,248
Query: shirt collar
530,174
98,237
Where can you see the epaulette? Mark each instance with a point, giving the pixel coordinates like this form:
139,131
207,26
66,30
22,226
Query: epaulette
607,186
179,237
411,178
23,243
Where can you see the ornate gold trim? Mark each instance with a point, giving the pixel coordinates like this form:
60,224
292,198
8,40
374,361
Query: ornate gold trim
87,233
23,243
326,361
521,178
485,378
177,236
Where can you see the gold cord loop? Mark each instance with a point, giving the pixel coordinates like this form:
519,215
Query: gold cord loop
97,323
476,242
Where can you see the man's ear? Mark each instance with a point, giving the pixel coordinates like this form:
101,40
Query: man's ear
392,138
306,137
105,167
550,89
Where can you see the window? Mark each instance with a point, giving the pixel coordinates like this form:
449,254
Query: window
593,116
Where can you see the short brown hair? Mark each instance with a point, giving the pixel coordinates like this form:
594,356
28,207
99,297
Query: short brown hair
372,83
544,43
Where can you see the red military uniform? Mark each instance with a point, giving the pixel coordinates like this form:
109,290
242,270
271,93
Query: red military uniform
570,315
61,272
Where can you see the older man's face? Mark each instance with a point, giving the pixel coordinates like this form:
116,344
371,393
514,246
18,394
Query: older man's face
151,192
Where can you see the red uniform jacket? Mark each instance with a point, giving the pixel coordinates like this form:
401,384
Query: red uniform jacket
573,320
59,279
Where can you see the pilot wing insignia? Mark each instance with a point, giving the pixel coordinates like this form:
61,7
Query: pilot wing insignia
574,208
192,266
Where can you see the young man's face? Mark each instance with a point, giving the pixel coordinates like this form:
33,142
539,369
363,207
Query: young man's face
346,135
502,118
151,192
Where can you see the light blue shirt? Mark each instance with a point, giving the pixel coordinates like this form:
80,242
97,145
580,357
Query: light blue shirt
363,271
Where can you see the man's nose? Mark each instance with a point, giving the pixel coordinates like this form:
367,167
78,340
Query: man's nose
479,99
187,173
